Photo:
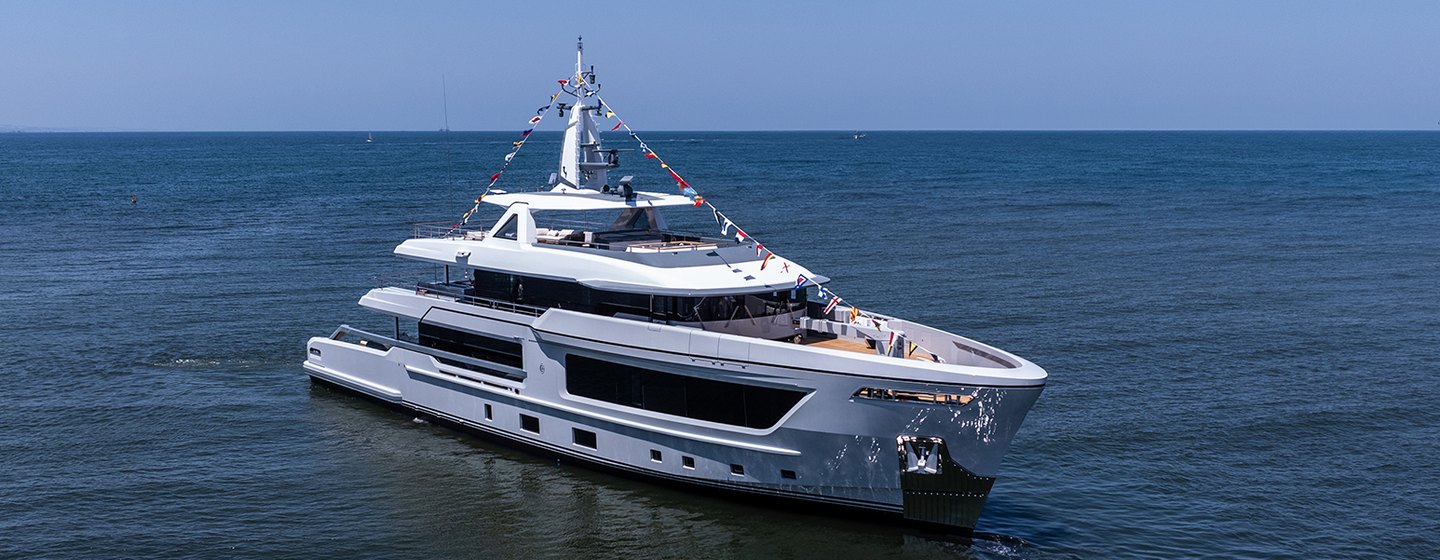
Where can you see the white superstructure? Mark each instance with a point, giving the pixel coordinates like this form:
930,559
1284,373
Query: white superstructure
680,356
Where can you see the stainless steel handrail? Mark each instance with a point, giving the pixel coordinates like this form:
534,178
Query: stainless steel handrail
443,230
457,293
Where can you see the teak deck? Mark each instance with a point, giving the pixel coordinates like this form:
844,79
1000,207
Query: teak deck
857,346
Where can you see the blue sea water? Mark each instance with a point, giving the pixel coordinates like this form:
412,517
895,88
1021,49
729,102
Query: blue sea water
1242,332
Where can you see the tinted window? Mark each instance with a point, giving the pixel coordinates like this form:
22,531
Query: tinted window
504,352
725,308
692,397
583,438
493,285
510,230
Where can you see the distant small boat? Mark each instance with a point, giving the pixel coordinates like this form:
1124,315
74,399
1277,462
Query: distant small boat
858,135
370,138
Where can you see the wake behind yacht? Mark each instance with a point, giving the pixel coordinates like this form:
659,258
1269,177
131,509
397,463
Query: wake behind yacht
694,358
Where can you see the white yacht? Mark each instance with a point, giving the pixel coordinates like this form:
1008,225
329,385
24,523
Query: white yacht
680,356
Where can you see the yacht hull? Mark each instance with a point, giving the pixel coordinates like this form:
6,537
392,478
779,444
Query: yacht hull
927,463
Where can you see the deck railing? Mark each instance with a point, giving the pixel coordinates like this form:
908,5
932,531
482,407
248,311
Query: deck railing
457,292
442,230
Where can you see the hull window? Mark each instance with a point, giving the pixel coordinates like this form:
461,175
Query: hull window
583,438
943,399
529,423
702,399
502,352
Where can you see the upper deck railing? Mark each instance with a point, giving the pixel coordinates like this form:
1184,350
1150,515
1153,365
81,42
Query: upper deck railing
456,291
442,230
593,235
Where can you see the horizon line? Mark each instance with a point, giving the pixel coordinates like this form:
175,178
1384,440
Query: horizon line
76,130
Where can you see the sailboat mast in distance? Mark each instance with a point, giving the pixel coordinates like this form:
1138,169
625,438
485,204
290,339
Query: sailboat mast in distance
445,100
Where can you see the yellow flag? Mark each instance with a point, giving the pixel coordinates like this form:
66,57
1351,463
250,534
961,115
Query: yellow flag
609,114
663,166
854,312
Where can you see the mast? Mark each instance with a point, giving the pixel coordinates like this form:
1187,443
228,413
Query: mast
445,97
582,163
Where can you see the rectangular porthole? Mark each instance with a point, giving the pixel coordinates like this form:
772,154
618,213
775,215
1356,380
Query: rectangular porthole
529,423
787,474
489,414
688,462
737,470
583,438
655,455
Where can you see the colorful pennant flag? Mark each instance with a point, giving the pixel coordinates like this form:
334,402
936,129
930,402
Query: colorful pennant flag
724,222
534,119
495,177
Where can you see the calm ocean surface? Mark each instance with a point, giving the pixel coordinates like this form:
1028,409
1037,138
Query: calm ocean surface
1242,332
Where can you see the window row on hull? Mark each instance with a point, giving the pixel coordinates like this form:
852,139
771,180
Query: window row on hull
504,352
710,400
681,395
945,399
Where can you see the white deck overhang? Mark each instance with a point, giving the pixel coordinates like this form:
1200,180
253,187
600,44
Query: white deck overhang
566,198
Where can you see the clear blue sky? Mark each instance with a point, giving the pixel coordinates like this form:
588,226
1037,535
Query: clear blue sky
727,65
